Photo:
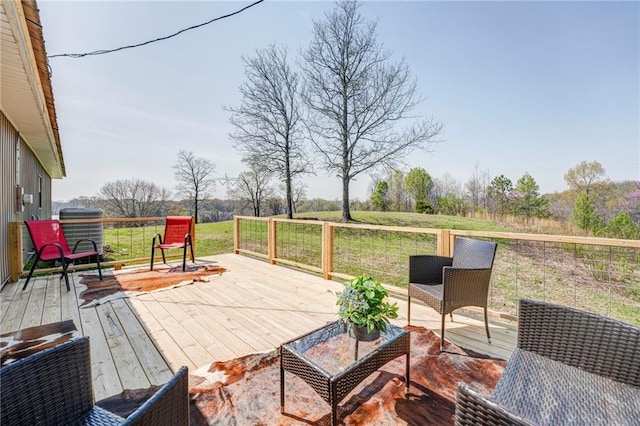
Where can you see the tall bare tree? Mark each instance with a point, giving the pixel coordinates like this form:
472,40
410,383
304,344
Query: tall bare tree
360,103
194,176
134,198
267,122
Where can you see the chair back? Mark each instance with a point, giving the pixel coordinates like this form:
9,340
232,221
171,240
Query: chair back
44,232
176,228
473,254
51,387
169,406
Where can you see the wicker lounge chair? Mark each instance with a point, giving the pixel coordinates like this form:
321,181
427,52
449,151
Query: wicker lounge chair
177,234
569,367
53,387
50,243
449,283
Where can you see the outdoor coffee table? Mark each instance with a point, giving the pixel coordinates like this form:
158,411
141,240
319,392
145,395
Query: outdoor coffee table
333,363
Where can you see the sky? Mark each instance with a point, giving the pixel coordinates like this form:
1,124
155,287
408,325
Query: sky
520,87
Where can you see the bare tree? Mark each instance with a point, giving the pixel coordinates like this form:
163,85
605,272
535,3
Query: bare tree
134,198
476,187
253,187
194,176
268,120
299,194
444,186
358,101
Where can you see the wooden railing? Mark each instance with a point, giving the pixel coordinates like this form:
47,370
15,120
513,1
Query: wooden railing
601,274
136,250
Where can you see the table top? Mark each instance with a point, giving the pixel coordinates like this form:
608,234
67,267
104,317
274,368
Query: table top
332,350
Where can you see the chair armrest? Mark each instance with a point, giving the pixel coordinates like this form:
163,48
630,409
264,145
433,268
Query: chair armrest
465,287
54,384
75,246
473,408
592,342
168,406
427,269
56,245
158,236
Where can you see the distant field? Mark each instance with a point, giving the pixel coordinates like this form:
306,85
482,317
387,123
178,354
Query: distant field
217,238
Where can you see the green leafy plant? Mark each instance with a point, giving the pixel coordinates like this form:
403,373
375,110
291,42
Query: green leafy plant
362,303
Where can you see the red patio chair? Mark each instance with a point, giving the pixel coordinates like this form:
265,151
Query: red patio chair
177,234
51,244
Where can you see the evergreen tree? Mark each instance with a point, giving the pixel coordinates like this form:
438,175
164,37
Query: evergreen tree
584,213
498,194
526,199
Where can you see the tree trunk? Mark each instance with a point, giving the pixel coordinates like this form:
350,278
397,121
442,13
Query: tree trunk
346,211
288,188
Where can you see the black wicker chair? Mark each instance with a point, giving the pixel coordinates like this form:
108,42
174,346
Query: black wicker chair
449,283
53,387
569,367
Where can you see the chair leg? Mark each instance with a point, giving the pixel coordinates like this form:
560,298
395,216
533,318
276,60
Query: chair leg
33,267
442,335
164,259
65,265
184,258
451,315
409,310
193,258
98,263
486,324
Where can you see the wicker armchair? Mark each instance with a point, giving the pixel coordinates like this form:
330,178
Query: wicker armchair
53,387
569,367
449,283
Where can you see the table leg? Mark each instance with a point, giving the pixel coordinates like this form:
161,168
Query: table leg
334,414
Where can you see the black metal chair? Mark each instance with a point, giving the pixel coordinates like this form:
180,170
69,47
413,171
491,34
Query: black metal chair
177,234
449,283
53,387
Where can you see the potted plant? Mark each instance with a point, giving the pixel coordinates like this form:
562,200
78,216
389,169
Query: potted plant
363,307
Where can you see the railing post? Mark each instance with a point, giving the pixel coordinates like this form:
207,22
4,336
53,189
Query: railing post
15,250
272,241
327,249
192,231
444,243
236,235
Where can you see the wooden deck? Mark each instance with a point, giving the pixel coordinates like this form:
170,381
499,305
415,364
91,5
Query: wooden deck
253,307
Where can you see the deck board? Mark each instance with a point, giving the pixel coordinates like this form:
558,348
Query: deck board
253,307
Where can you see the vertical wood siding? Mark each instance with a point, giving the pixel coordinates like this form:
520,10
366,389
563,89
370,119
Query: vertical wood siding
33,178
8,137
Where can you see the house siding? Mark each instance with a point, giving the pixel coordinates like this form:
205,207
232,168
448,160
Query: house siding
32,177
